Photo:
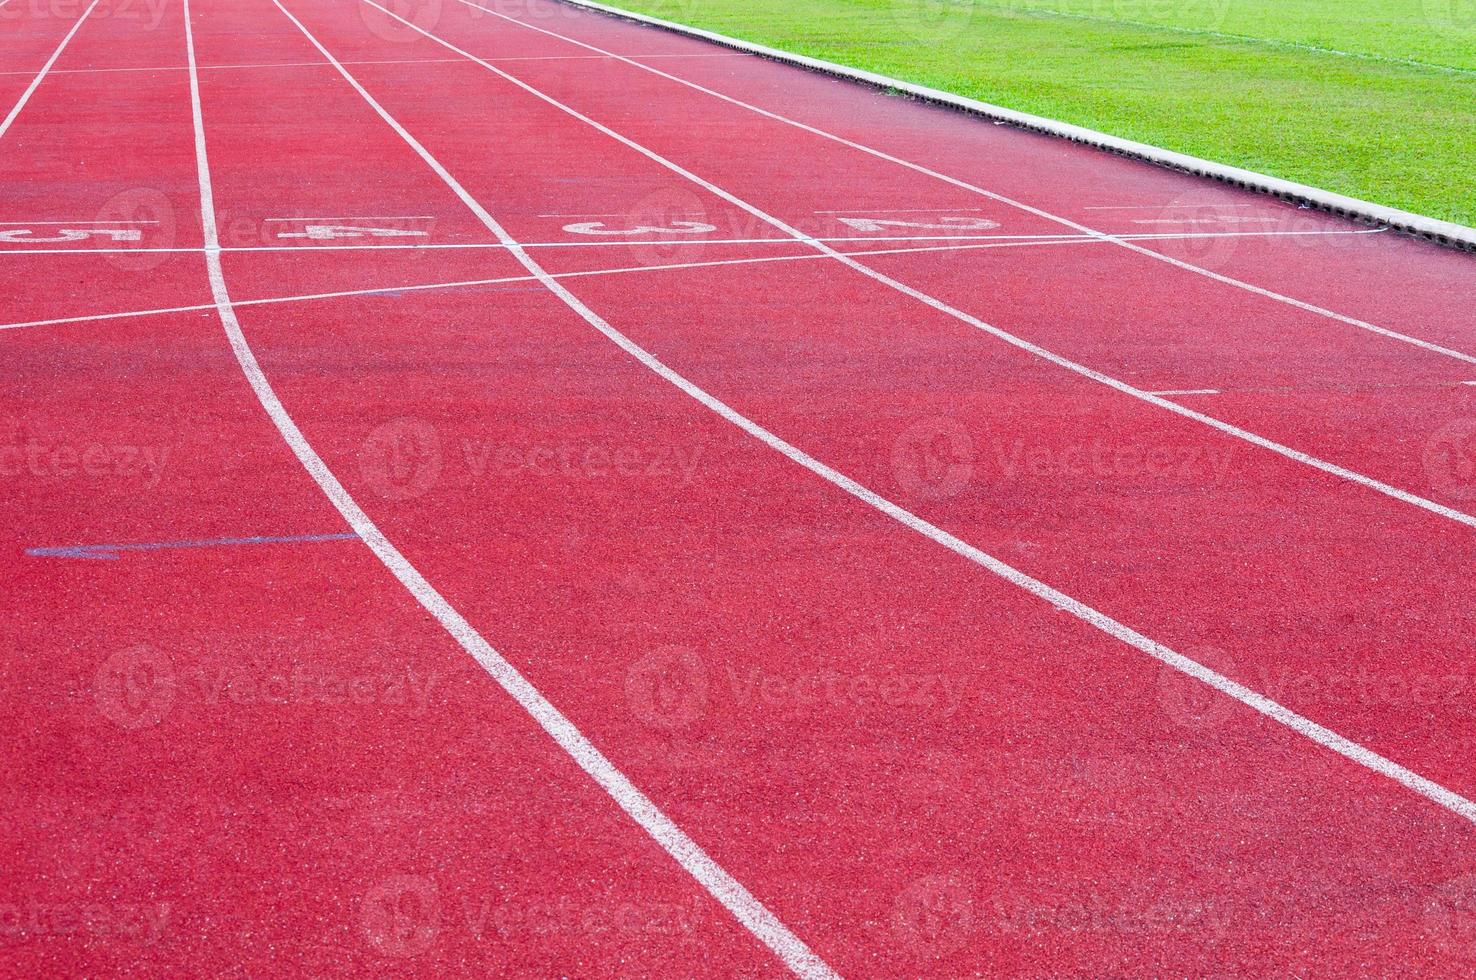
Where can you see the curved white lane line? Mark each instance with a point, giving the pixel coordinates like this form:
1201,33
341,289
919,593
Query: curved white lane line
1277,712
1123,241
721,885
1295,455
41,75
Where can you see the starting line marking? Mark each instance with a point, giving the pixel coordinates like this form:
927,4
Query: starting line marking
457,284
361,217
110,552
1043,239
401,61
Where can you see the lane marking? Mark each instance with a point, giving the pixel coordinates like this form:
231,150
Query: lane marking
752,260
456,284
579,243
112,552
1154,207
41,75
82,221
899,211
1187,391
718,882
362,217
399,61
1219,425
1120,240
1277,712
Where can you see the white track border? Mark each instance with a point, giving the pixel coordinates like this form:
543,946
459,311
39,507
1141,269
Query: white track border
1445,233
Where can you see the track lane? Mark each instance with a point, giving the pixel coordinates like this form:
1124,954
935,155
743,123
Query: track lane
720,886
430,542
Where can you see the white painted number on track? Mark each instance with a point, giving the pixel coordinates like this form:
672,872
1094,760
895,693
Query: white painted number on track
943,224
329,232
675,228
29,237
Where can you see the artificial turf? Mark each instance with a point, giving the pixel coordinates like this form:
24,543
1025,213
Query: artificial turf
1375,99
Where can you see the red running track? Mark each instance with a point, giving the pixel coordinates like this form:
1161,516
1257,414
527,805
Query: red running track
796,528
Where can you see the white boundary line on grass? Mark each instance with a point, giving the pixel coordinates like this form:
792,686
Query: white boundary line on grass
722,886
1323,736
956,182
1433,229
40,76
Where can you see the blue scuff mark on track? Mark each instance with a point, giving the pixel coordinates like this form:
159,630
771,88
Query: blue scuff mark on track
111,552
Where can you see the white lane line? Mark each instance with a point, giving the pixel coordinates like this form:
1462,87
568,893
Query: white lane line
1187,391
399,61
83,222
1121,240
363,217
1062,239
583,274
1157,207
463,283
721,885
1219,425
36,82
1271,709
901,211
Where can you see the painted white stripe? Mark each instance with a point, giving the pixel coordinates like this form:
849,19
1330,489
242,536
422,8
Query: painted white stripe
398,61
902,211
1295,455
1123,241
80,222
1062,239
1188,391
365,217
457,284
722,886
1271,709
1156,207
41,75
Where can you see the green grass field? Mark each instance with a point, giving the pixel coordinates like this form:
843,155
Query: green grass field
1375,98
